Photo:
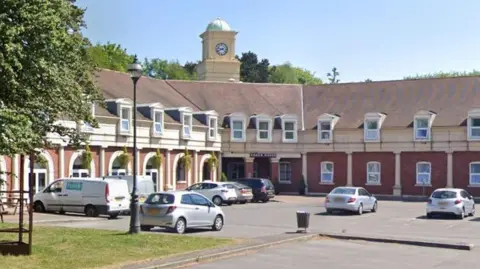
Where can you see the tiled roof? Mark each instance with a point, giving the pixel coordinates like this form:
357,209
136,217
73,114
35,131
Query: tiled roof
450,98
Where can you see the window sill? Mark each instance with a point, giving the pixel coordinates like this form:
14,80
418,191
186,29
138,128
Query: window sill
289,140
327,183
264,141
473,185
373,184
421,140
182,182
423,185
284,182
126,133
235,140
473,138
325,141
157,134
371,140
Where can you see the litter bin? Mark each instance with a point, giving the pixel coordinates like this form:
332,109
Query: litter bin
303,221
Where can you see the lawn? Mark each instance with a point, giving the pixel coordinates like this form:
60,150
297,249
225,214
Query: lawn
88,248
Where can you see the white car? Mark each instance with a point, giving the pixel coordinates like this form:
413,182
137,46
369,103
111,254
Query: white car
451,201
218,192
180,210
354,199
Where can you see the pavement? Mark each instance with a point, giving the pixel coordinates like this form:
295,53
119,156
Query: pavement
340,254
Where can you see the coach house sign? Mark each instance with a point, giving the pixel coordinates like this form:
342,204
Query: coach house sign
262,155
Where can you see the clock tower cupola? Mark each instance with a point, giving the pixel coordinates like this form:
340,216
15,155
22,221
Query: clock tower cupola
218,53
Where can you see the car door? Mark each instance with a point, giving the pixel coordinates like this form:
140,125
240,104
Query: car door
192,211
53,198
209,190
204,212
195,187
72,197
369,198
466,197
365,198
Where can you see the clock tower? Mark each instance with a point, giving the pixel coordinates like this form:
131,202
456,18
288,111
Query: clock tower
218,53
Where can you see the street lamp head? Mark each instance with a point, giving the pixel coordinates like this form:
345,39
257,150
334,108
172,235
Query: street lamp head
135,69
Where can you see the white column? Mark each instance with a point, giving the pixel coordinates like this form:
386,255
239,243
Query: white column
16,172
397,189
449,169
102,161
168,169
61,158
218,176
349,169
196,169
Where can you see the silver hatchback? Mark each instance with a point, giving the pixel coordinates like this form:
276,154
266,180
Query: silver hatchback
353,199
180,210
451,201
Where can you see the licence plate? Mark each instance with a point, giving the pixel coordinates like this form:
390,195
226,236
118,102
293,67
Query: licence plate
442,203
153,211
141,200
118,199
338,200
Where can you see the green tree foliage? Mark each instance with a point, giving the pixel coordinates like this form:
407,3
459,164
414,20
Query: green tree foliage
445,75
251,70
45,73
110,56
288,74
333,76
163,69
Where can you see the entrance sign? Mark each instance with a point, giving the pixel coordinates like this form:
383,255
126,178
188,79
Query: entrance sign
263,155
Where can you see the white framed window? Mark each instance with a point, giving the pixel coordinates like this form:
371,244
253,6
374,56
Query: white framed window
371,130
212,128
373,173
326,172
186,125
421,128
474,127
125,117
80,173
424,173
237,129
325,130
289,130
119,172
285,172
263,130
474,173
158,122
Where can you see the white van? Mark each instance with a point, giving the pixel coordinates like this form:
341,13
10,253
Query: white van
92,196
145,185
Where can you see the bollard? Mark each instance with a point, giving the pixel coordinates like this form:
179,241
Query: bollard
303,221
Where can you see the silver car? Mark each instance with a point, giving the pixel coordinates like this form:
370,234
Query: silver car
180,210
354,199
451,201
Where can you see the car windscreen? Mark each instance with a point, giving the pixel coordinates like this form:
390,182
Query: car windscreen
240,185
160,199
348,191
444,195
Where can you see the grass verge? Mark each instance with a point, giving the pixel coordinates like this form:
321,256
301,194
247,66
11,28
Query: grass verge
60,248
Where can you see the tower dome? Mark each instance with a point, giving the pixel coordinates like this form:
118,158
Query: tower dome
218,25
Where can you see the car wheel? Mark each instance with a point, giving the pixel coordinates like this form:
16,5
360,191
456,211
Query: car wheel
243,202
38,207
91,211
462,214
375,207
473,211
114,215
217,200
180,226
229,203
145,228
329,211
429,215
217,223
360,209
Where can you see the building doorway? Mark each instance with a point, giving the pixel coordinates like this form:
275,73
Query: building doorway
78,168
262,167
233,168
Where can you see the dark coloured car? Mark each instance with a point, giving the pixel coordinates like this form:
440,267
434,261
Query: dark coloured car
262,188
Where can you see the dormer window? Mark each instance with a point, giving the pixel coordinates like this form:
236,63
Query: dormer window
158,122
289,128
371,126
325,125
237,128
473,124
422,125
212,128
264,128
187,125
125,117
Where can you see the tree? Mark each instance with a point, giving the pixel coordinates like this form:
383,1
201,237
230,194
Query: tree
110,56
285,74
45,72
368,80
306,77
332,77
251,70
191,68
164,69
445,75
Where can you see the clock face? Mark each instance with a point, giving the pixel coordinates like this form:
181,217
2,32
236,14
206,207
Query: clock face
221,49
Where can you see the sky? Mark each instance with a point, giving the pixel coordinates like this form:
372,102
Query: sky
368,39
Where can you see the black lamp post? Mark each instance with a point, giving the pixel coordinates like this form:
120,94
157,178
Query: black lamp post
135,70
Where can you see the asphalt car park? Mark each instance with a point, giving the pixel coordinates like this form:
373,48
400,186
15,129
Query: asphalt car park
393,218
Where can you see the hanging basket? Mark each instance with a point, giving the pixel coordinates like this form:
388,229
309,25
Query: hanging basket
86,157
157,160
124,158
186,160
41,161
212,161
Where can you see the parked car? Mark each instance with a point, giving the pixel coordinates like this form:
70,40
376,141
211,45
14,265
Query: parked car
263,189
92,196
179,211
353,199
244,192
451,201
145,185
218,192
